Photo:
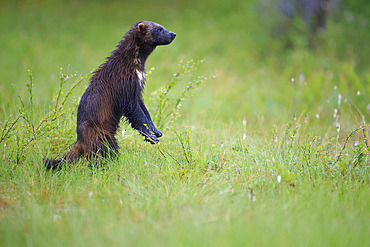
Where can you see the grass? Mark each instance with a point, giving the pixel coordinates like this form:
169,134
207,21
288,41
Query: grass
271,149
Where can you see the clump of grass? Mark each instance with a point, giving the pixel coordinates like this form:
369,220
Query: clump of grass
187,153
19,132
300,153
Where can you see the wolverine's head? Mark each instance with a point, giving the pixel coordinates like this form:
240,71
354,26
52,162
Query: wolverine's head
152,33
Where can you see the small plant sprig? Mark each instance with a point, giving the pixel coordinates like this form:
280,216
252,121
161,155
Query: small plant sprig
30,92
291,130
8,127
347,158
359,153
167,109
184,140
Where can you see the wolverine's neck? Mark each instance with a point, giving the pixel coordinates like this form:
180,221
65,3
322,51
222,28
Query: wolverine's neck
132,54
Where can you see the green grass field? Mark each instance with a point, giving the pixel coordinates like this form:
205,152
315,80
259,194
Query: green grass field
266,127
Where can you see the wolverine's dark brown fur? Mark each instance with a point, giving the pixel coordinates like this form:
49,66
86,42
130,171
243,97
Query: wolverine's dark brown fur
115,90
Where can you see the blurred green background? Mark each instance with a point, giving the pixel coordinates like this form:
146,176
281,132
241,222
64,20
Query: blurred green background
267,66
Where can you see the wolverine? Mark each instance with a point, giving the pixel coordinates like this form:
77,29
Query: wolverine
115,91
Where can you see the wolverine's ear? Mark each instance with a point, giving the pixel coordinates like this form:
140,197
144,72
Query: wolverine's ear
141,27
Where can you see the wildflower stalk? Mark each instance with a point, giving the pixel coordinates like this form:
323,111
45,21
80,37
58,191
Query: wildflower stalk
346,142
167,108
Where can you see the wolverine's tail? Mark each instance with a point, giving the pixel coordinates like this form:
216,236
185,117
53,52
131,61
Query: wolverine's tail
54,164
98,149
57,164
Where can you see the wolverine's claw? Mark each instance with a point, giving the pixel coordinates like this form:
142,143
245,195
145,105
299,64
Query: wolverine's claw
158,134
152,139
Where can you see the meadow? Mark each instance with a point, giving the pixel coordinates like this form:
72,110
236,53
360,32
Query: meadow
266,127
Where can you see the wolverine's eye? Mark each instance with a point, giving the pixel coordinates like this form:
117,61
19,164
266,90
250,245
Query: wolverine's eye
159,30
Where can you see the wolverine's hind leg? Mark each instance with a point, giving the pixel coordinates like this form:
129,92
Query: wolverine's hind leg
105,148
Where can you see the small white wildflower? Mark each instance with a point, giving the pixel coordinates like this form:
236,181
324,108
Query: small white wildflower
317,116
244,136
244,122
358,92
335,87
339,99
337,124
57,217
335,112
91,194
120,201
292,80
251,196
278,178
